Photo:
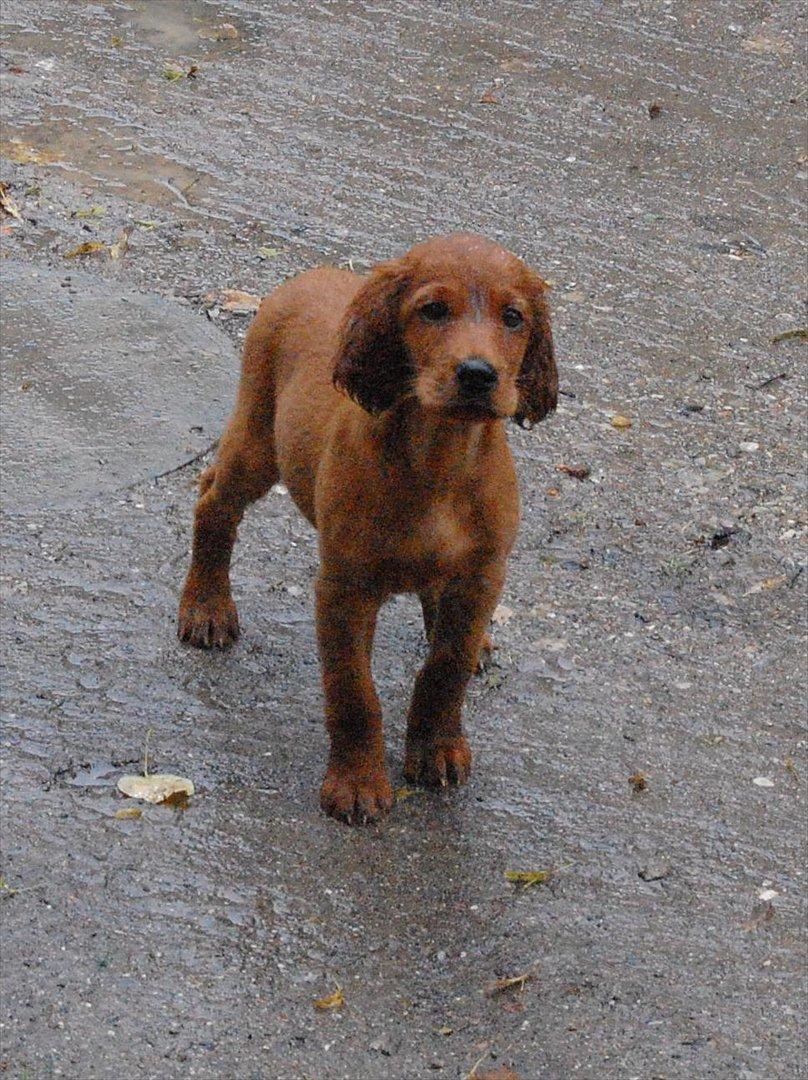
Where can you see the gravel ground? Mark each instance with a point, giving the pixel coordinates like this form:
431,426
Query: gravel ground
650,159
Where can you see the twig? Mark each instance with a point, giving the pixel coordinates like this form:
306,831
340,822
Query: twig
767,382
185,464
146,753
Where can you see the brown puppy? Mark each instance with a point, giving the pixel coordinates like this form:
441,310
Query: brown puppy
380,403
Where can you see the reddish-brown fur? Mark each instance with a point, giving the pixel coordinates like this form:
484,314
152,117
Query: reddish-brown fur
351,393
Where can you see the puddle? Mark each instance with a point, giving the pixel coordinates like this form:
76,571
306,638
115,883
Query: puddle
108,157
179,24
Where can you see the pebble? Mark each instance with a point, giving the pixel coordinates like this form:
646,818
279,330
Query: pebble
654,871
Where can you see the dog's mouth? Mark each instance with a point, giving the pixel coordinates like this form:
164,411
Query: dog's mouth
477,407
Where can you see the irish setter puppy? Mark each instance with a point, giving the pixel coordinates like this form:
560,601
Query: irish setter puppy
380,402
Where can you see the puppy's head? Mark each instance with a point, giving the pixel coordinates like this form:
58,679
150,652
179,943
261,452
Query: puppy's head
458,323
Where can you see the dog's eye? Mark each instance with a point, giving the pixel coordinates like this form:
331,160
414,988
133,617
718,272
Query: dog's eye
435,311
512,318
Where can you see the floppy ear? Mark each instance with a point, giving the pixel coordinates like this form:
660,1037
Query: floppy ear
537,381
372,365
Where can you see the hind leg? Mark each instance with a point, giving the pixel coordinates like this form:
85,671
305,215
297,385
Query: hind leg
245,469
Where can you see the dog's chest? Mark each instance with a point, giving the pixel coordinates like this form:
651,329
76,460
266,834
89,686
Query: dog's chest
439,537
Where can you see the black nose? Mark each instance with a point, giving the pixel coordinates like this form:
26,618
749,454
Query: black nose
476,376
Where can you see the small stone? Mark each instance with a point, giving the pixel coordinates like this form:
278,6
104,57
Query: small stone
763,781
655,871
749,447
381,1046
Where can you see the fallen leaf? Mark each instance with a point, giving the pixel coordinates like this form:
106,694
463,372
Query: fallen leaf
6,889
801,334
21,154
225,32
90,212
7,204
173,74
333,1001
268,252
502,614
146,224
128,812
15,69
156,787
528,877
116,41
638,782
713,740
501,1073
761,914
766,584
445,1031
89,247
578,472
121,245
762,45
489,98
654,110
763,781
514,982
233,300
789,766
620,422
768,894
553,492
403,793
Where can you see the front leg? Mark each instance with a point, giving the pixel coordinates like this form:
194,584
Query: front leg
356,788
437,752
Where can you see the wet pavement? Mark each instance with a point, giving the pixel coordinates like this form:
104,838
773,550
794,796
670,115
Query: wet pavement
102,388
651,160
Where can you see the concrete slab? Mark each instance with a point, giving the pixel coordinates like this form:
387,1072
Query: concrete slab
102,386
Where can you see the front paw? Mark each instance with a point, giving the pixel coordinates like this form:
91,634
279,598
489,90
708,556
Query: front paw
485,655
438,761
356,795
208,620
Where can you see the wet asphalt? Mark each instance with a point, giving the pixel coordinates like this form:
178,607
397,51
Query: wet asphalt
650,159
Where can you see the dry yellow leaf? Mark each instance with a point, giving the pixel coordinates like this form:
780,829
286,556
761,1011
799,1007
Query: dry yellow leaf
528,877
7,204
621,422
333,1001
90,212
502,614
120,246
21,154
156,788
233,300
514,982
127,813
89,247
